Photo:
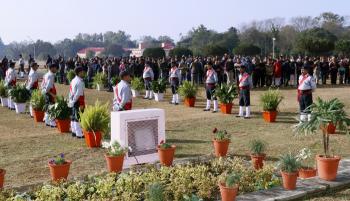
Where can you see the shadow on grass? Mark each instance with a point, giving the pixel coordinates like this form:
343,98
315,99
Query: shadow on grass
187,155
184,141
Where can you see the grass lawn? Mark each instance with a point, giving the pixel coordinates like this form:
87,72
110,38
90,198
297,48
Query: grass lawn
343,195
26,147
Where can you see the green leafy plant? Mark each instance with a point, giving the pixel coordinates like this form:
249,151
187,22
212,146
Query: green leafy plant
19,93
70,75
230,179
159,86
188,90
221,135
114,80
164,145
155,192
322,113
226,93
60,109
257,146
58,160
115,149
95,118
289,163
305,158
37,100
3,90
271,99
192,198
100,79
137,84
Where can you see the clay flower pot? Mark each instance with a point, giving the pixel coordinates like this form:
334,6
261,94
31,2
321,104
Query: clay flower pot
2,178
258,160
93,139
226,108
305,173
327,168
166,156
59,172
228,194
331,128
221,147
115,163
38,115
63,125
190,102
289,180
269,116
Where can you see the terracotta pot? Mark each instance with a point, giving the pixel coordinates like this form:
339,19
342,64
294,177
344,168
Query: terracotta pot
93,140
305,173
190,102
115,163
226,108
2,178
166,156
63,125
331,128
221,147
289,180
59,172
270,116
228,194
38,115
258,160
327,168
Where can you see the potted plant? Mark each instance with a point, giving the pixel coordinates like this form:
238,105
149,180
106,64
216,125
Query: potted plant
270,101
155,192
2,178
322,113
59,168
189,92
37,101
95,121
114,156
307,169
221,142
257,149
166,153
228,184
289,166
226,94
61,113
158,88
20,95
3,94
100,80
70,75
136,86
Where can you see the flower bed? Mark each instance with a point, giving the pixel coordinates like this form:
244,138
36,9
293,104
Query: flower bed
199,179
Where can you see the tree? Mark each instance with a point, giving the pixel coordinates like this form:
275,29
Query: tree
247,49
304,23
316,41
114,50
214,50
165,39
228,39
156,52
343,47
2,48
179,51
90,54
150,41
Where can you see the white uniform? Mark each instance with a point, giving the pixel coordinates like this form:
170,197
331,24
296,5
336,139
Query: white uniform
211,81
48,85
307,85
175,79
10,79
148,76
76,99
123,97
33,80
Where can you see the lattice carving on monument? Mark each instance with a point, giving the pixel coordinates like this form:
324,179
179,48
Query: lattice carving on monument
142,137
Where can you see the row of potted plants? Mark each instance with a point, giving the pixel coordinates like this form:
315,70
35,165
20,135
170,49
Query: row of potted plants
15,97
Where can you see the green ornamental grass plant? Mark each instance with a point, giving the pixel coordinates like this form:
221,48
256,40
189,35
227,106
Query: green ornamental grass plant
271,99
37,100
159,86
188,90
226,93
3,90
100,79
257,147
95,118
230,179
19,94
60,109
289,163
137,84
221,135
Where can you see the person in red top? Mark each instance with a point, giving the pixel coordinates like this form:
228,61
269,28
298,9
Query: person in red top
277,72
49,90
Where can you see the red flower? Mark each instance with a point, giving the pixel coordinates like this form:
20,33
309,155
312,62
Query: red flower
215,130
161,142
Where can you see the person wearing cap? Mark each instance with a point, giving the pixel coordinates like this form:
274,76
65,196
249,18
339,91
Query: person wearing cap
245,83
32,82
148,77
306,86
210,83
174,79
77,101
123,95
10,78
49,90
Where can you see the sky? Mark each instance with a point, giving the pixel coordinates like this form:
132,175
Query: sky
54,20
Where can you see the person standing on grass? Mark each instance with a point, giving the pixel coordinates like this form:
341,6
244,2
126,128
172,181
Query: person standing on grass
49,90
174,79
77,101
210,84
21,66
245,83
10,78
306,86
32,83
123,95
148,77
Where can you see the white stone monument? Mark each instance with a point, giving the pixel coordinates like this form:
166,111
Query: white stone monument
141,130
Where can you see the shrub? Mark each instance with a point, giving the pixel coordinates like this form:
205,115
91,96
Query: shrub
100,79
221,135
247,49
114,80
271,99
156,52
180,51
289,163
19,94
155,192
37,100
257,146
188,90
95,118
159,86
3,90
226,93
70,75
137,84
60,109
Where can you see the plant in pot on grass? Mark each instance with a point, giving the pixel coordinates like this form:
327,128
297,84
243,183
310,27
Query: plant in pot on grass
70,75
158,88
307,169
136,86
270,101
37,101
189,92
289,166
59,168
221,142
257,149
228,184
20,95
100,81
95,122
3,94
324,112
61,113
115,156
2,178
226,94
166,153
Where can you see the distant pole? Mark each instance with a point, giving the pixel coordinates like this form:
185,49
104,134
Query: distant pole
273,47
